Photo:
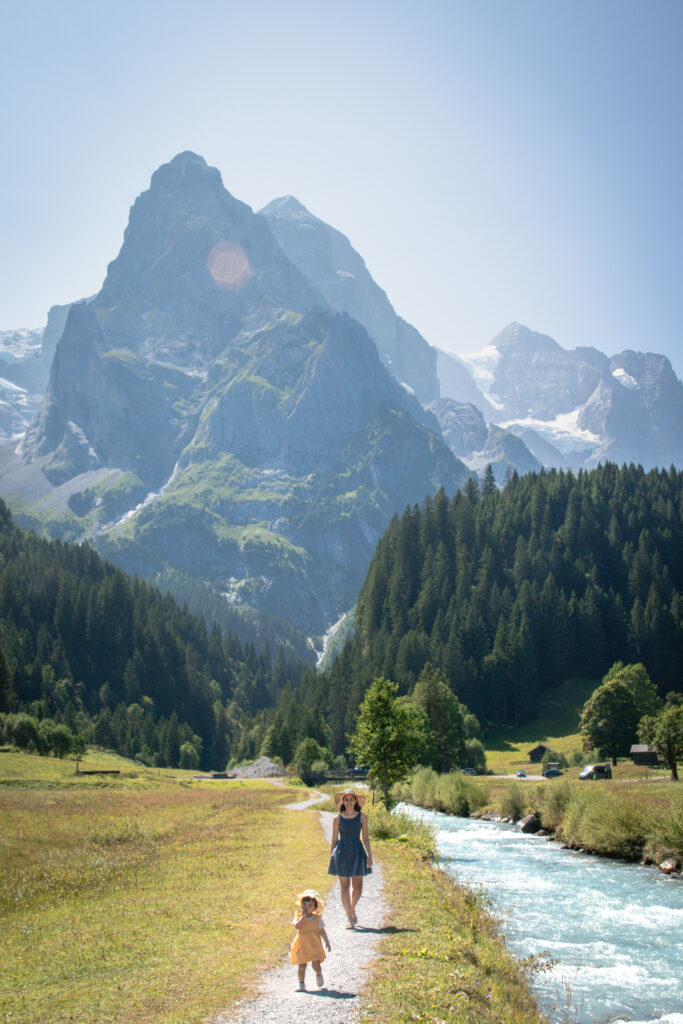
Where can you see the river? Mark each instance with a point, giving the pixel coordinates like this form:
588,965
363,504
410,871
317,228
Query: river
614,931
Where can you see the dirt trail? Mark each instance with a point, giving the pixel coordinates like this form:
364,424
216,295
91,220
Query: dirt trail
345,969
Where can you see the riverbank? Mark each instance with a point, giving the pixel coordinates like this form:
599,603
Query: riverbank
629,821
607,932
443,959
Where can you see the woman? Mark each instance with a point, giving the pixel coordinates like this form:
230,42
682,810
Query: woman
350,858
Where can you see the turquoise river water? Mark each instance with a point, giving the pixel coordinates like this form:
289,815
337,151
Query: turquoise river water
614,931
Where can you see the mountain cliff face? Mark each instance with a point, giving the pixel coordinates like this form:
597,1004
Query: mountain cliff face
25,358
327,259
209,414
479,445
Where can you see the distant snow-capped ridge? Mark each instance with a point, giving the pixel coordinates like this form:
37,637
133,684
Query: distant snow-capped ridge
576,407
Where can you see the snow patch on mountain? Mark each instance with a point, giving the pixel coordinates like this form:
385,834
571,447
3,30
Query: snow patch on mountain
563,431
482,366
21,344
625,379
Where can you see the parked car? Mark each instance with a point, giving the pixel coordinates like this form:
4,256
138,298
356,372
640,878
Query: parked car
521,774
596,771
552,771
469,771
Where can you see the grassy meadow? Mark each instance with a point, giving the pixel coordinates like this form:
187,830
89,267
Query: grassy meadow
556,726
142,897
146,897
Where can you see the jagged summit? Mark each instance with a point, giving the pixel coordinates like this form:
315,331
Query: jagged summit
210,415
330,262
286,206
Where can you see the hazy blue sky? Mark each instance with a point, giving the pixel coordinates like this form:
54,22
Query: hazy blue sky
491,160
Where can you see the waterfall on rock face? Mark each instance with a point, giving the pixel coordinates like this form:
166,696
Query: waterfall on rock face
613,931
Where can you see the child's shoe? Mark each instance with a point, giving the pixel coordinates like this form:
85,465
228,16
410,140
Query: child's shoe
302,987
320,981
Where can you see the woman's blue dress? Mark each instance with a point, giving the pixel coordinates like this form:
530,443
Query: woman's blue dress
348,856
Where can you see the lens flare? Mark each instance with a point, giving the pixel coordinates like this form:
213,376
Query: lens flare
228,265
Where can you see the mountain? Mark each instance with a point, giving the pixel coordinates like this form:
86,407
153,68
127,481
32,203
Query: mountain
327,259
627,408
478,445
209,417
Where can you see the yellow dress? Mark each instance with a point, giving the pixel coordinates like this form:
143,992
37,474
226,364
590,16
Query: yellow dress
308,945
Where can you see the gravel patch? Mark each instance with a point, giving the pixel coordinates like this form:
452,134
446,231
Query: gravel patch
346,968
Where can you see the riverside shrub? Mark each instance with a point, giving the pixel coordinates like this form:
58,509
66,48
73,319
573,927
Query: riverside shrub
550,800
458,794
606,822
665,836
423,787
513,802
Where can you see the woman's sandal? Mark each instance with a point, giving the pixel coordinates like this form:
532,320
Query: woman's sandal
350,925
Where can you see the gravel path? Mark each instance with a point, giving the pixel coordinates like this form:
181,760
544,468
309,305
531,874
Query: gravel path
345,969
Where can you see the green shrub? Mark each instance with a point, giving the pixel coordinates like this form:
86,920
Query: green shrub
606,822
664,836
453,795
189,758
550,800
402,828
513,802
423,787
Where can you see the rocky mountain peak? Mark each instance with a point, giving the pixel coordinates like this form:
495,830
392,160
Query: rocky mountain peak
330,262
286,206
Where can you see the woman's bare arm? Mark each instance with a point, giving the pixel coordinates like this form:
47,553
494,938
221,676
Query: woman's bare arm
366,837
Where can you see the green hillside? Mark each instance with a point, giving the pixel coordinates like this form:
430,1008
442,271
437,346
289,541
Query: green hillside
556,726
90,653
509,593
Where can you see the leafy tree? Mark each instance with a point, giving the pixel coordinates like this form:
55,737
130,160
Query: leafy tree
475,755
189,758
610,719
389,735
445,717
638,681
664,732
307,752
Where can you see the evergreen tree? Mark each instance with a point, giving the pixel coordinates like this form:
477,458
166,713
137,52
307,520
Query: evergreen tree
5,683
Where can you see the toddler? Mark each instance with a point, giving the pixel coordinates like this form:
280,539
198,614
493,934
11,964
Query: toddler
310,935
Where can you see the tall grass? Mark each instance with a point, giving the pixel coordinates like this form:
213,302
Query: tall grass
513,802
146,906
550,801
612,820
606,822
452,793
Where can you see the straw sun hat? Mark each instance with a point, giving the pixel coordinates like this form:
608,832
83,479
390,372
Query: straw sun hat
310,894
338,797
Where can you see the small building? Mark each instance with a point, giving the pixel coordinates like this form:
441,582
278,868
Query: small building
640,753
537,754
